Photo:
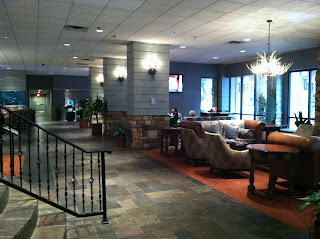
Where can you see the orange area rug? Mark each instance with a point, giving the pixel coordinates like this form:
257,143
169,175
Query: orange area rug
6,165
282,207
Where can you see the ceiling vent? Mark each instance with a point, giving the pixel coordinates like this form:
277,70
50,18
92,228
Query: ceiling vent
87,59
75,28
234,42
82,64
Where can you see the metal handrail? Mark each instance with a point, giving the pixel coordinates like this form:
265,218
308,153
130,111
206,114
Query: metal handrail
50,133
86,164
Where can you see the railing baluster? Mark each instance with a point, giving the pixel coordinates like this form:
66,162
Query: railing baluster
104,194
57,172
65,175
39,161
29,156
91,182
1,154
11,149
82,169
73,180
20,153
99,181
48,172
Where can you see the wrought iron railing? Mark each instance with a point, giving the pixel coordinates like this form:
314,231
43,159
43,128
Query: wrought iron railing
50,168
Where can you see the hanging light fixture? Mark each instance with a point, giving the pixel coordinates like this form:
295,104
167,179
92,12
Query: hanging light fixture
269,65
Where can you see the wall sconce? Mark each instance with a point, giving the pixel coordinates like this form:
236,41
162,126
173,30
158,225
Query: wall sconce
101,84
152,71
121,79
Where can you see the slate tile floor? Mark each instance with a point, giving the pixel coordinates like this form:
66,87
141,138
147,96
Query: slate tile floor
147,199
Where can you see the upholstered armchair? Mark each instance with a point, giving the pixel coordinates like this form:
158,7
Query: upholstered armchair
196,149
222,157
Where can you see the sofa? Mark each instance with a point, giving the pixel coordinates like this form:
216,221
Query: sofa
253,128
307,162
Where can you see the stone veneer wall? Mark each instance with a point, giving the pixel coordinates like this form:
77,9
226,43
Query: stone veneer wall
146,130
113,118
317,116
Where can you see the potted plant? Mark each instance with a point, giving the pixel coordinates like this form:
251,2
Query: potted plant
313,198
58,112
85,112
300,119
97,107
120,132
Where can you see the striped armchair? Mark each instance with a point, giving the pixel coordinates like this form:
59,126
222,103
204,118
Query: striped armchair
222,157
196,149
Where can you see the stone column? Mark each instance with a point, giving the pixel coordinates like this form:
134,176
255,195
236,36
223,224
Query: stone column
317,113
115,91
96,82
148,97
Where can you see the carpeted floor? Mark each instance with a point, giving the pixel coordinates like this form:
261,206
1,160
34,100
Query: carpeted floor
283,207
6,165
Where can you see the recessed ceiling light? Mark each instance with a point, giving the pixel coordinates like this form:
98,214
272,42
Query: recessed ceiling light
4,37
50,73
242,51
114,36
182,47
8,68
215,58
172,32
74,57
99,29
66,44
64,68
247,39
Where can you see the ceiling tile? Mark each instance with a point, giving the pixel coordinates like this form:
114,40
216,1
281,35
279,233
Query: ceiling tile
126,4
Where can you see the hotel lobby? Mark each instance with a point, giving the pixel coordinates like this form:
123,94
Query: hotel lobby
145,57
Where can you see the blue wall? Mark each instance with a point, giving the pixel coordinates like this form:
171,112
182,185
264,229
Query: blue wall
190,98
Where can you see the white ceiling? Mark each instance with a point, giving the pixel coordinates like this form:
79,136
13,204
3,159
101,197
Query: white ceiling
32,31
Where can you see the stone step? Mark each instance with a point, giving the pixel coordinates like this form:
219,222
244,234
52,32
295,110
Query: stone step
20,216
51,223
4,197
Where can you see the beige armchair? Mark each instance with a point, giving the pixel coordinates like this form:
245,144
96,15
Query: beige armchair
222,157
196,149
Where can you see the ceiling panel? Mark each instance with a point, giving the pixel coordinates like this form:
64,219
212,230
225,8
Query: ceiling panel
34,30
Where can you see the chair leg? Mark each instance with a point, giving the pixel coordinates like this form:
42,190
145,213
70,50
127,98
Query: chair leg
187,160
211,170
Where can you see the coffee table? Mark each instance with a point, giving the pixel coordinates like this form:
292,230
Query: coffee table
261,153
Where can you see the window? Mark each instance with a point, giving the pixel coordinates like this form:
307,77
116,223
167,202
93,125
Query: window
206,94
235,96
302,89
248,97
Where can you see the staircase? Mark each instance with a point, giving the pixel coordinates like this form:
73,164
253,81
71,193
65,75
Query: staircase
22,216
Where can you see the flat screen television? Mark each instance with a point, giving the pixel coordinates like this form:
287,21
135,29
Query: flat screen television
175,83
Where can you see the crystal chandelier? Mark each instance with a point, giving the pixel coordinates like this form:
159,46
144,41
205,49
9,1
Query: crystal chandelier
269,65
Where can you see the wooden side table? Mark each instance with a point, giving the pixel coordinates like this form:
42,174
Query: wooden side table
271,128
172,133
270,152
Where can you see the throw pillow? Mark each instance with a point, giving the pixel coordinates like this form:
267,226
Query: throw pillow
246,134
232,132
211,126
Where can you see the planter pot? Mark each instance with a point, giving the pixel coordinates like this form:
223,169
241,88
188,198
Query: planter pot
96,129
120,141
83,123
316,234
59,117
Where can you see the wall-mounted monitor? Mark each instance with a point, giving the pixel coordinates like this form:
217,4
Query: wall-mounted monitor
13,98
70,102
175,83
